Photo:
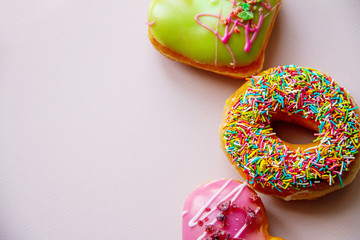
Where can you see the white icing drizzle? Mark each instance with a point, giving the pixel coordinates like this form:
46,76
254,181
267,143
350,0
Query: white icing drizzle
241,187
238,190
204,234
193,221
241,230
245,225
234,192
184,213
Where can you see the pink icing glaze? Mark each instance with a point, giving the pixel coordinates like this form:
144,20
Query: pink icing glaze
203,214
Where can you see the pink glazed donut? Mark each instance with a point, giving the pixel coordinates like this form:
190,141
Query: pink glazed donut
225,210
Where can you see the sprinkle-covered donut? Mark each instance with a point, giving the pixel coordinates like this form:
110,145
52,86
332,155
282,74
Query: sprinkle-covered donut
225,210
228,37
272,166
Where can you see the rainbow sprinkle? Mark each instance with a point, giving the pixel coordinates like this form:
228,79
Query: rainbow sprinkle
311,94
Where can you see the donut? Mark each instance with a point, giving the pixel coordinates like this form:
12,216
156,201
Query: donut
300,95
227,37
225,210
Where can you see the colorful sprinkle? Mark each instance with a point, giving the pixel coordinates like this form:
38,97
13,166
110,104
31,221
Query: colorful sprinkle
308,93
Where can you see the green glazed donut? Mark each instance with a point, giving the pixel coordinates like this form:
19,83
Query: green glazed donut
224,36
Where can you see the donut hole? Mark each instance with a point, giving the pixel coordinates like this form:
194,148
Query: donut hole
292,132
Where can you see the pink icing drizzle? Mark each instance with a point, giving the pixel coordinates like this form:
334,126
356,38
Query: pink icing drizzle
267,5
150,23
229,31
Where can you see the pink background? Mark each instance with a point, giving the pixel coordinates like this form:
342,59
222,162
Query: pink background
101,137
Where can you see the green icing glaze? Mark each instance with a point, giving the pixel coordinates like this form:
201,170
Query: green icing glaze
176,28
